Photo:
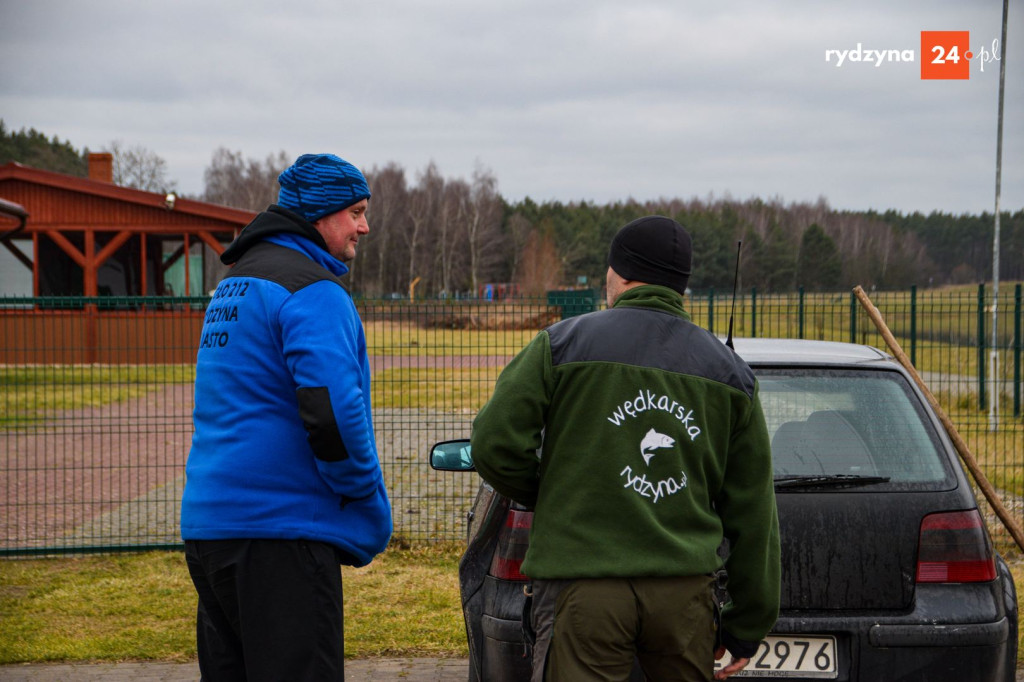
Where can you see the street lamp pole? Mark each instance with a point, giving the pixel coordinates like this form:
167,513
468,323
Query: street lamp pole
994,356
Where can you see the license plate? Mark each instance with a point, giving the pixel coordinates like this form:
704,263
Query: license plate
791,656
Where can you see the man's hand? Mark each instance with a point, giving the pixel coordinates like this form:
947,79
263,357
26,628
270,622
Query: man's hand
735,665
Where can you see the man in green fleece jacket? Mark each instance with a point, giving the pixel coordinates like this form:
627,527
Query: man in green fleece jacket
638,439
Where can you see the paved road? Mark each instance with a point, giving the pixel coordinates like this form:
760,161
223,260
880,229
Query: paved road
363,670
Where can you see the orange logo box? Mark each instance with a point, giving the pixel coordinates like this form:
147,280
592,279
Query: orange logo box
945,55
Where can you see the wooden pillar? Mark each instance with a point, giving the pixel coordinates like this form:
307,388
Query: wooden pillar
188,257
144,284
35,264
90,289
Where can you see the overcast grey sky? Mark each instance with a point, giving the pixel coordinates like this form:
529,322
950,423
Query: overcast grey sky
567,100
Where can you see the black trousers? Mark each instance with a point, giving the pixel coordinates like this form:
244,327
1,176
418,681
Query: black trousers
269,610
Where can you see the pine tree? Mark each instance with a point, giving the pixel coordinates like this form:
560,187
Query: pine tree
32,148
819,266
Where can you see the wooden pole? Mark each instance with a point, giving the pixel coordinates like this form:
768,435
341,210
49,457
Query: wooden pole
961,446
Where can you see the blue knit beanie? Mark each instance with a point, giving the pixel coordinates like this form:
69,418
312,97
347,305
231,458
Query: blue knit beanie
320,184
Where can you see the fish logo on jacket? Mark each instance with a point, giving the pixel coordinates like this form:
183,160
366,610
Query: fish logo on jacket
652,441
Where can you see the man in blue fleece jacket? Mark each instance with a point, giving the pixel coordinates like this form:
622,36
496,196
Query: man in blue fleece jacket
283,482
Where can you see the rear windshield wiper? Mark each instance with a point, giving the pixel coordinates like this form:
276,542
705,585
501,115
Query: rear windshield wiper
827,481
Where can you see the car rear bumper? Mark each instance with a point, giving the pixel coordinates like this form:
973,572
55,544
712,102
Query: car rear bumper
506,655
950,634
963,634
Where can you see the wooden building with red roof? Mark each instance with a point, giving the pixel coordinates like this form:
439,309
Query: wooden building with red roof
87,237
90,237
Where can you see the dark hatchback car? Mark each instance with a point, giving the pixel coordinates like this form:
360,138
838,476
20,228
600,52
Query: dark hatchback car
888,571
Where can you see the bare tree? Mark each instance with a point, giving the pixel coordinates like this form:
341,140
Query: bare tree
540,267
232,180
483,231
518,229
451,233
140,168
382,258
424,202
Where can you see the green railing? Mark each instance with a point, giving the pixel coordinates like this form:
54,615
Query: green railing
97,396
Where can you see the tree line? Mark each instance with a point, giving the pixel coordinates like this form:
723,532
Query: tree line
453,236
134,165
433,235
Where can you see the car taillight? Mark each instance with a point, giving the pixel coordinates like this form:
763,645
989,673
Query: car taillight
513,539
955,548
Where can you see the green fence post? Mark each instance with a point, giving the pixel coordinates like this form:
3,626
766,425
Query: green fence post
982,402
753,312
853,318
711,310
1016,350
913,325
800,314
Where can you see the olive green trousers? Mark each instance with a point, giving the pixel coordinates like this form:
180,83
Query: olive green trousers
597,629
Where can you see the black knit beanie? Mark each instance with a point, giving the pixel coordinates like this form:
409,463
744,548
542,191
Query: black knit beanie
653,250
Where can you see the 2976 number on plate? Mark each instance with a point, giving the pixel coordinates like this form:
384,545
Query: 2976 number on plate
792,656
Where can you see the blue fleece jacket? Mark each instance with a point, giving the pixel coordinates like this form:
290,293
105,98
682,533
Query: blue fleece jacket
284,445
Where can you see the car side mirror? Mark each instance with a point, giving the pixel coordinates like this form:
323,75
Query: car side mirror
452,455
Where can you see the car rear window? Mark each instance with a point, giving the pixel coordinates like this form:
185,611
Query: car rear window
851,423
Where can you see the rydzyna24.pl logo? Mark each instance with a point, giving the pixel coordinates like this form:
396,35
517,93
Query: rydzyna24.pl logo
945,55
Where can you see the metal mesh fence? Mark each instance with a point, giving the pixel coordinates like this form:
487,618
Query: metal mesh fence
97,396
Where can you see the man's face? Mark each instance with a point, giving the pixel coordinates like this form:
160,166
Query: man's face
342,229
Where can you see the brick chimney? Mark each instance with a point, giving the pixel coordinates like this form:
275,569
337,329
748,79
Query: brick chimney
101,167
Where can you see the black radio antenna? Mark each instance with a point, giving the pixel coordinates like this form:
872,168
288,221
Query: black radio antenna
735,282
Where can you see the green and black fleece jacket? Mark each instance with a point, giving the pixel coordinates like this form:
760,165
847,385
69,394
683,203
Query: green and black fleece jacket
638,439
